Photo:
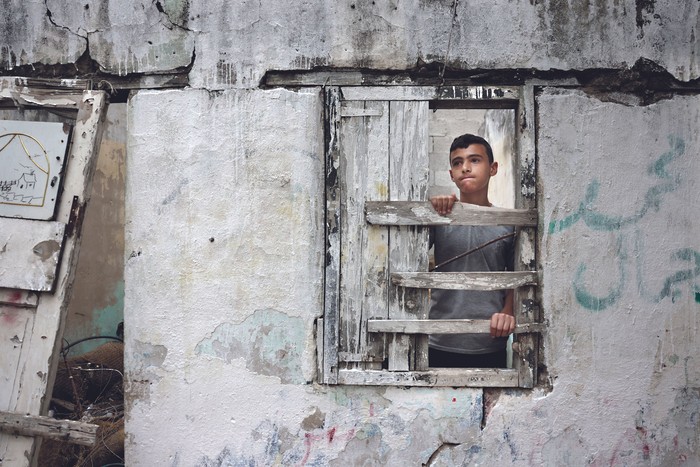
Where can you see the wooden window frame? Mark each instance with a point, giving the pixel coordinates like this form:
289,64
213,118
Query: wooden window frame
399,357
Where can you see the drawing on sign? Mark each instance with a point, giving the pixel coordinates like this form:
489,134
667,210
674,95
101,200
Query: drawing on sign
31,160
28,158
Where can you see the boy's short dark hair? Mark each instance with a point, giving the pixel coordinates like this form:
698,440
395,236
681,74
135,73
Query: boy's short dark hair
466,140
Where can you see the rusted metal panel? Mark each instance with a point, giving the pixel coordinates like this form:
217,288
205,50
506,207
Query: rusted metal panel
30,252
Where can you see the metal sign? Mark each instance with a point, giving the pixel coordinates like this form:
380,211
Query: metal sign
32,157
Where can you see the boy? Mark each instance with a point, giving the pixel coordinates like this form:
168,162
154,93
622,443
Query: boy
471,168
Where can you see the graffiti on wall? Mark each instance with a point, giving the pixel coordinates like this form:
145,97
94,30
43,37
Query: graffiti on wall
630,244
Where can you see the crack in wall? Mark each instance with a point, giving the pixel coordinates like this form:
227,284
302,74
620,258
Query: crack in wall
645,83
49,15
437,452
173,24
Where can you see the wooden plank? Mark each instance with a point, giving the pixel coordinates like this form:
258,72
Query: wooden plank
41,85
15,330
443,326
452,377
464,280
17,91
332,227
319,330
29,253
422,213
34,425
427,93
363,175
408,246
20,298
526,346
36,369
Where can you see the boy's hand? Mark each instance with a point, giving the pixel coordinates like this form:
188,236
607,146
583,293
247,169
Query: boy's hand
443,204
502,324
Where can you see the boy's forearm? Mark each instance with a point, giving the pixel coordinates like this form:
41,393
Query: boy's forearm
508,306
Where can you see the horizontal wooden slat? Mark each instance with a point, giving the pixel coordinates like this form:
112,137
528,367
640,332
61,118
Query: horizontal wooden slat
43,85
464,280
58,97
462,377
423,93
46,427
442,326
422,213
347,357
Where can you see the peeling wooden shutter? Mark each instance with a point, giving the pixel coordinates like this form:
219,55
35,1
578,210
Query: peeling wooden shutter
364,255
31,307
408,245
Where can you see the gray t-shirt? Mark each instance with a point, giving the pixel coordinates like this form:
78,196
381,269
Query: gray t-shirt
450,241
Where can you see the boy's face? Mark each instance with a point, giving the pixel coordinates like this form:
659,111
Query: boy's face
470,169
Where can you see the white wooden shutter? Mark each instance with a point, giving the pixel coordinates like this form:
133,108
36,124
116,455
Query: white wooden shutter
31,308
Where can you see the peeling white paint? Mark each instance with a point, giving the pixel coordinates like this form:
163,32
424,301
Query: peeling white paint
622,365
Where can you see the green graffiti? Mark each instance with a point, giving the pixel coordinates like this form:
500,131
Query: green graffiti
652,198
595,303
587,212
670,289
686,275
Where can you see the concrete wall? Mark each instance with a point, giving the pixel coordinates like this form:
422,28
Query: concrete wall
224,227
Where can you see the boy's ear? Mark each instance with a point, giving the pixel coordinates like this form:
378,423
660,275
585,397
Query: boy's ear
451,177
494,169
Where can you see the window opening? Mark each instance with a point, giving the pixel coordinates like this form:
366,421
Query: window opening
380,146
495,125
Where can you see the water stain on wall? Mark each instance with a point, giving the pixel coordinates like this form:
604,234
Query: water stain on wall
270,342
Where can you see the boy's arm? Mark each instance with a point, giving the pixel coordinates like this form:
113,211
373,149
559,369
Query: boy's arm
503,322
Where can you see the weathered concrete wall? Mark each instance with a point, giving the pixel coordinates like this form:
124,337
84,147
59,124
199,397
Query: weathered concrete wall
235,43
220,304
221,301
224,229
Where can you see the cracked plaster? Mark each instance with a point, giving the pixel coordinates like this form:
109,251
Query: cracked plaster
237,43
